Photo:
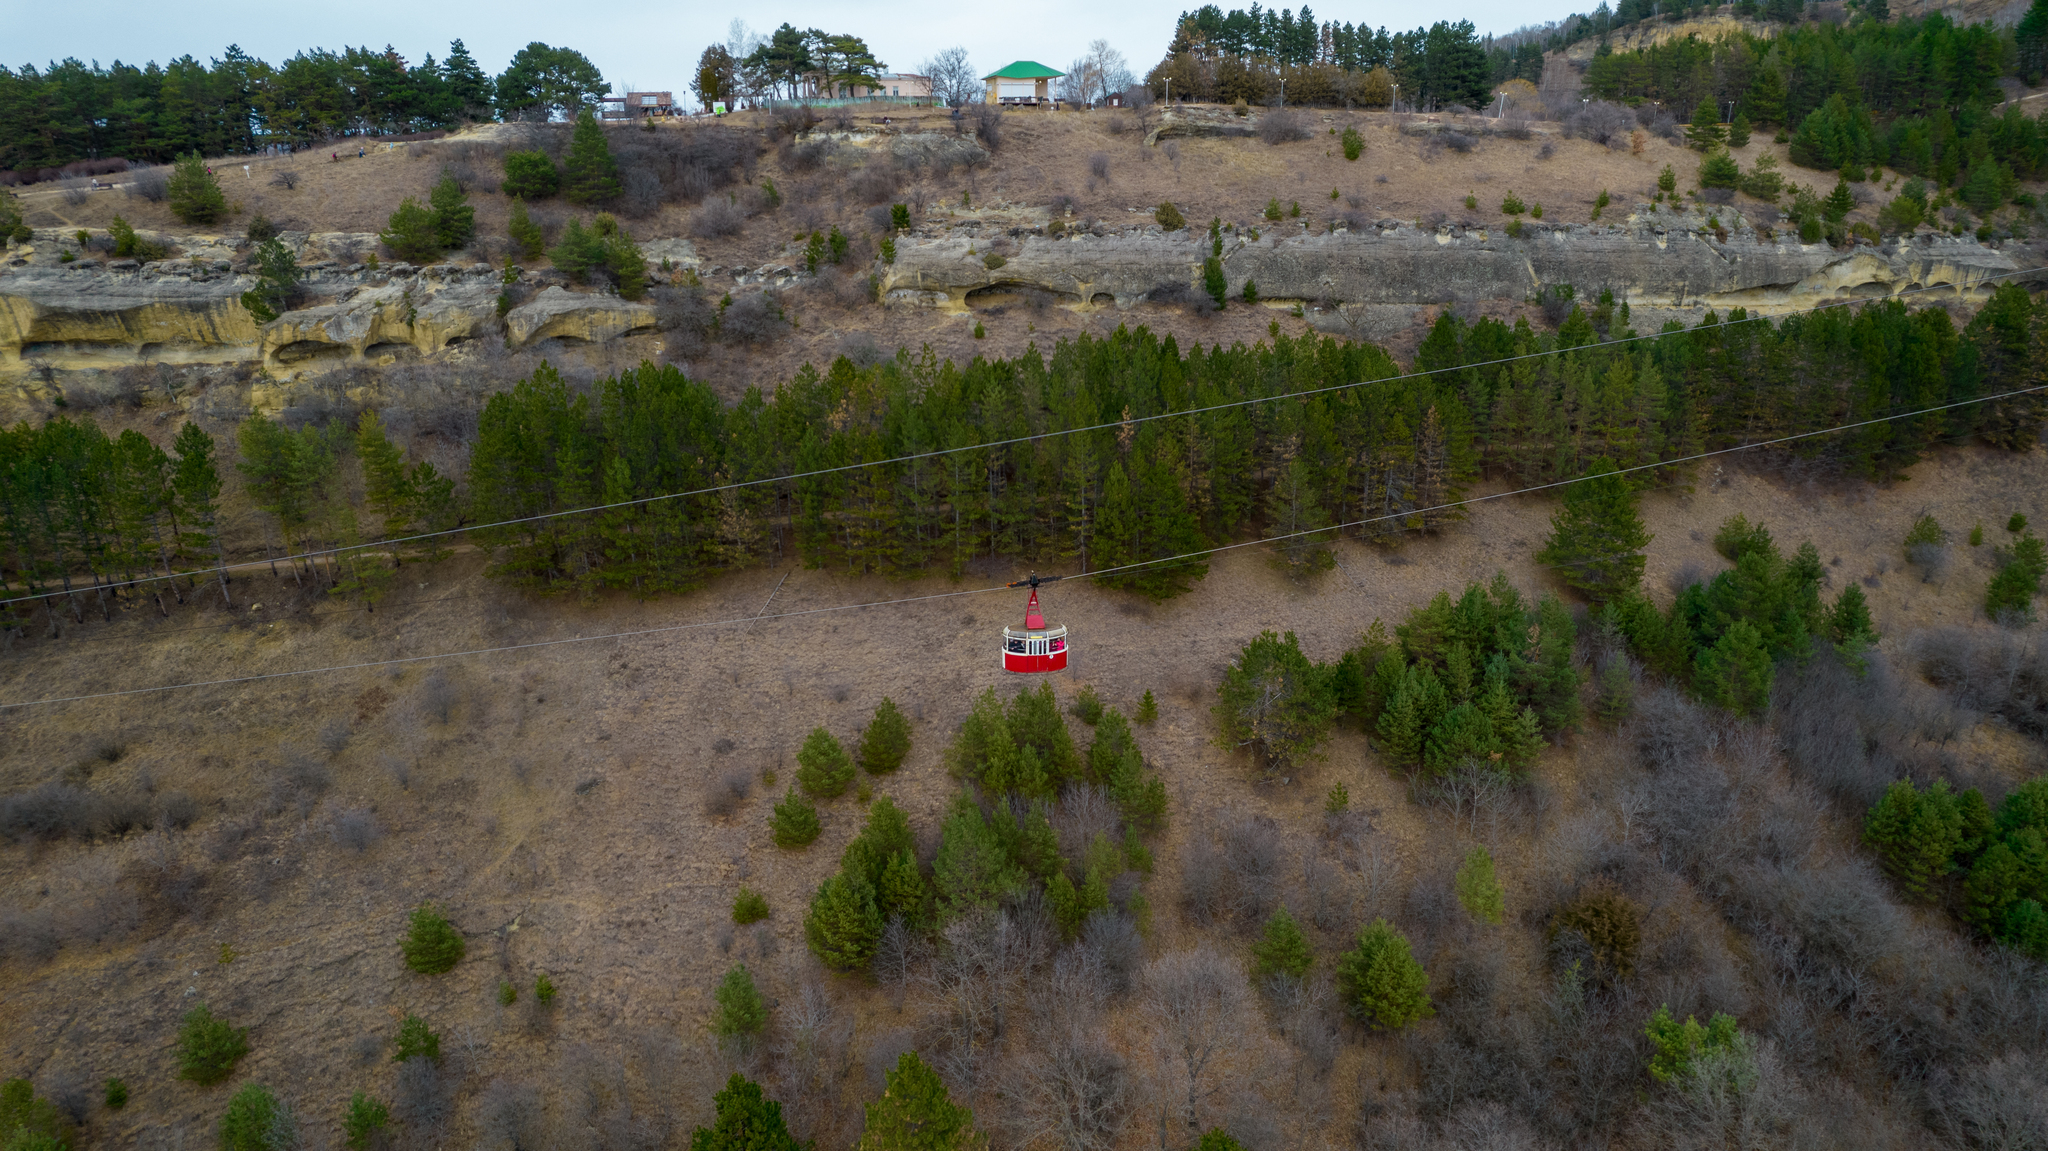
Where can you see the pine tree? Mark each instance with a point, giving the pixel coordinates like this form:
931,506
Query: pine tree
1400,728
1738,130
525,234
1705,131
823,767
209,1047
1462,735
904,890
1281,948
194,195
795,822
972,873
1840,202
1597,538
454,218
197,484
1849,622
916,1114
1380,981
1736,673
747,1120
249,1119
431,944
1479,890
885,740
742,1012
416,1039
1678,1046
590,175
1996,881
844,924
384,476
363,1124
1064,902
1148,709
412,233
1216,1138
1915,835
1276,702
1766,97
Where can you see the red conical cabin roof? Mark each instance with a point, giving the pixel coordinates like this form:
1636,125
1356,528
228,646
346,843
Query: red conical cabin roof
1034,620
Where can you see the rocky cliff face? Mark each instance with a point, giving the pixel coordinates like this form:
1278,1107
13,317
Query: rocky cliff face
1368,282
1660,259
85,315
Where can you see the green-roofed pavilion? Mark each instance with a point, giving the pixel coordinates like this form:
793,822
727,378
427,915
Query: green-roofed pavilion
1021,82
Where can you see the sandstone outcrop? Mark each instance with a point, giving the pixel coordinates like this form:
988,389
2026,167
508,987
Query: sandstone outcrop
561,315
78,316
1704,257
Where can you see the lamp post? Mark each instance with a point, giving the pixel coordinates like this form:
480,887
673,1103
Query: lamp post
1396,106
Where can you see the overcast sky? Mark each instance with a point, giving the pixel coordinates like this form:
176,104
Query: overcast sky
652,46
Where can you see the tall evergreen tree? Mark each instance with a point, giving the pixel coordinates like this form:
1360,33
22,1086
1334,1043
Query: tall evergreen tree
844,925
590,175
915,1113
747,1120
1380,981
1596,539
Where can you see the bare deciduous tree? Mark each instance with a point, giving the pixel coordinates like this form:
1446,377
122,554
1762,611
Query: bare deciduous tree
954,83
1196,1003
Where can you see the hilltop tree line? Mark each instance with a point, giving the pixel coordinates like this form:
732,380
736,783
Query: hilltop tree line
1918,95
1385,456
238,104
1222,56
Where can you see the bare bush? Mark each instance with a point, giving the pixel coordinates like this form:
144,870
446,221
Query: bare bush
873,182
76,192
1283,126
421,1097
689,319
51,811
1996,672
1073,1089
508,1115
1254,858
356,828
754,319
1457,142
334,735
2002,1102
717,219
1602,122
1185,296
1514,126
724,795
438,697
807,157
1098,166
1931,559
285,178
639,193
1084,812
1671,730
792,120
1204,881
1113,939
988,125
177,810
151,184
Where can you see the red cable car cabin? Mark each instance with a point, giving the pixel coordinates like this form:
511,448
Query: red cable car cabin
1037,647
